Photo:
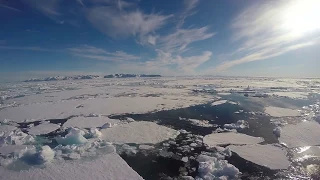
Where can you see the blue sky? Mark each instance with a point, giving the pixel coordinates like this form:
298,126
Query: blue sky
168,37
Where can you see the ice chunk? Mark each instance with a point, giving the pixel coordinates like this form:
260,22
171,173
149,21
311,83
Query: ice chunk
129,150
230,138
46,154
212,168
241,124
89,122
106,125
43,129
218,102
281,112
75,136
277,131
94,133
108,167
264,155
6,129
138,132
301,134
145,147
16,137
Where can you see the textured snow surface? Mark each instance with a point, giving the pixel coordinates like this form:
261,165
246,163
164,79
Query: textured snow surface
107,167
89,122
281,112
43,129
264,155
6,150
230,138
139,133
301,134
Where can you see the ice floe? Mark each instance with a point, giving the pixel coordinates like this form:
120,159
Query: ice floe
89,122
16,137
301,134
139,133
108,167
43,129
268,155
281,112
215,139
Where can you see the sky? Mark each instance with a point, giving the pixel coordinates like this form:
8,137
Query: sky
167,37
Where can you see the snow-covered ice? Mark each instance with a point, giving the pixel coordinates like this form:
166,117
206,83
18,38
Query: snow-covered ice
230,138
89,122
301,134
264,155
16,137
211,168
281,112
46,154
74,136
241,124
43,129
108,167
139,133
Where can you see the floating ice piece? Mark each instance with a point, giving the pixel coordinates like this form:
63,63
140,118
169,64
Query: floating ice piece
138,132
268,155
215,139
108,167
145,147
46,154
93,115
184,159
89,122
75,136
281,112
201,123
301,134
277,131
43,129
211,168
218,102
241,124
129,150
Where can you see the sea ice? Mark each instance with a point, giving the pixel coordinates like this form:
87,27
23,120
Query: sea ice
211,168
138,132
218,102
16,137
281,112
43,129
46,154
215,139
89,122
301,134
264,155
75,136
108,167
241,124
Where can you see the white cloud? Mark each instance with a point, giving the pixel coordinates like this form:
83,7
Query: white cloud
92,52
49,8
117,23
9,7
262,33
181,38
188,10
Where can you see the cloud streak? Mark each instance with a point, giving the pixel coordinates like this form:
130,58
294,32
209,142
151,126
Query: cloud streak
95,53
